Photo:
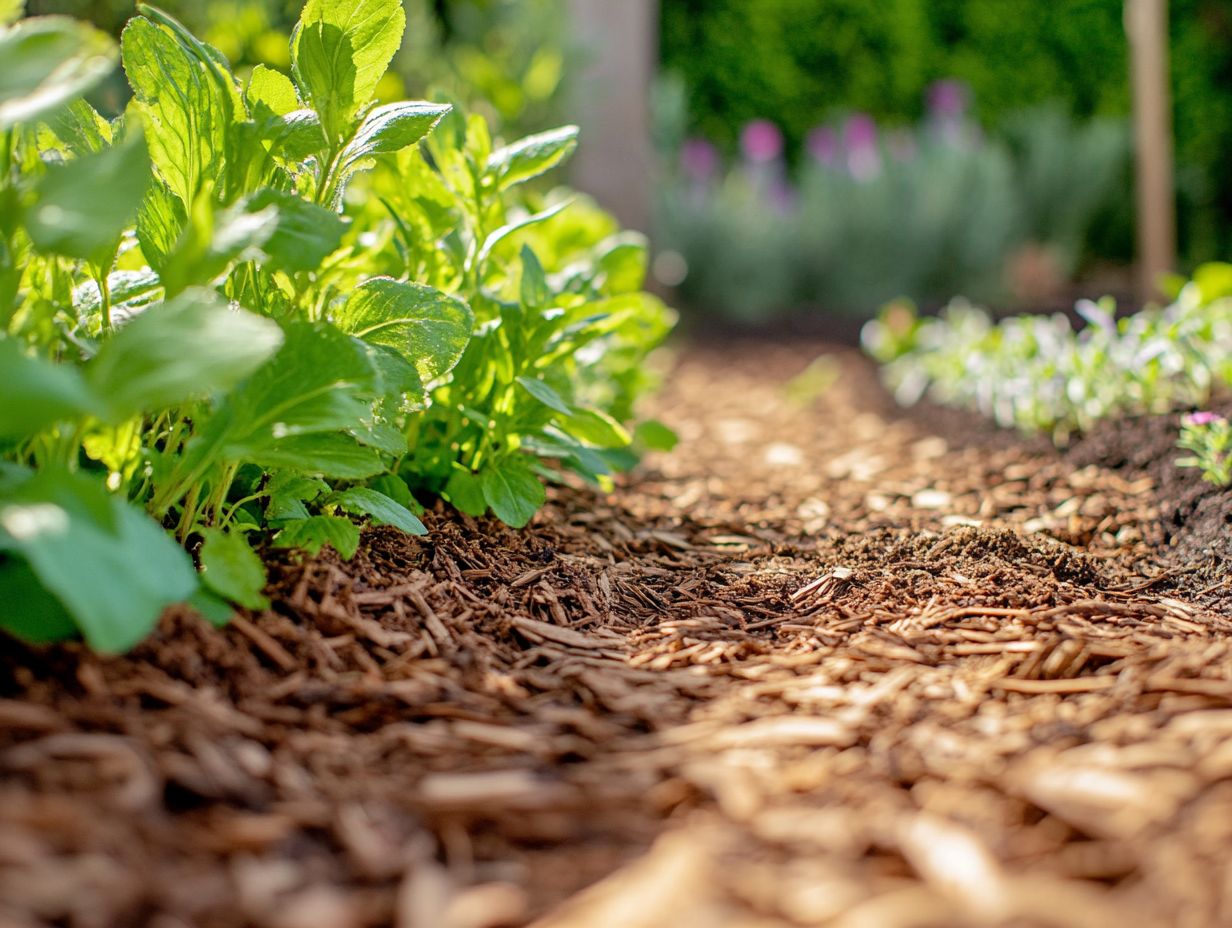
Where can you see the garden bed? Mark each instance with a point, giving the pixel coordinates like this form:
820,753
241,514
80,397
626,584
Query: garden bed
825,663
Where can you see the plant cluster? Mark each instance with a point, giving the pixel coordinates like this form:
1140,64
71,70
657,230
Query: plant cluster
274,308
872,214
1038,373
1208,436
507,59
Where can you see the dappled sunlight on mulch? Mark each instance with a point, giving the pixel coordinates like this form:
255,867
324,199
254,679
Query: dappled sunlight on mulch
824,664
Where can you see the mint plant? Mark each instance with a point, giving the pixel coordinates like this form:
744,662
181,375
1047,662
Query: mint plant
262,309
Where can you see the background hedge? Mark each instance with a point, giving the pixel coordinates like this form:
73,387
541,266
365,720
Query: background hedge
800,61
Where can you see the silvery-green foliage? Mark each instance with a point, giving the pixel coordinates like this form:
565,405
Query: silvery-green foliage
1039,373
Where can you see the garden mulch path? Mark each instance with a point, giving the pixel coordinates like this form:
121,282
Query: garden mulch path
824,664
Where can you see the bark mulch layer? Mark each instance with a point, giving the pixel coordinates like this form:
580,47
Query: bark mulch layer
825,664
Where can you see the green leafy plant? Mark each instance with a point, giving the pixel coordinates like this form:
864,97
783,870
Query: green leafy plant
1037,373
261,309
1208,436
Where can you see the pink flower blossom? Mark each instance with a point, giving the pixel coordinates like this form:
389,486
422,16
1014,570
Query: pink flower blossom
761,141
1203,418
699,159
822,145
948,99
860,141
860,132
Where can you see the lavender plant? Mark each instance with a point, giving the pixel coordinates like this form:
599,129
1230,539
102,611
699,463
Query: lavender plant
870,213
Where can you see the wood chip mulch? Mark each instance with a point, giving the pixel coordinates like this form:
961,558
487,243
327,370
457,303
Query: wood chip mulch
823,665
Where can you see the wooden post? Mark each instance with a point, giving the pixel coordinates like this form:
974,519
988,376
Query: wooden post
1146,23
611,104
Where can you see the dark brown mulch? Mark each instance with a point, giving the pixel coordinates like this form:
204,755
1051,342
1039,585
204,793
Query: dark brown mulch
823,665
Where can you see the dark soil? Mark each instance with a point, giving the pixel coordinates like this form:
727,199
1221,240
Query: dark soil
825,664
1195,515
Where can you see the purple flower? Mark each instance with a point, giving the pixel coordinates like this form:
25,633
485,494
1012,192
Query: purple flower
948,99
1203,418
860,140
761,141
860,133
822,145
699,159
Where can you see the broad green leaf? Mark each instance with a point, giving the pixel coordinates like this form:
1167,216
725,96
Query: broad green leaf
288,484
213,240
396,489
288,491
512,490
160,221
37,393
386,130
47,61
391,128
534,289
382,436
215,61
594,427
304,234
532,156
329,454
189,347
29,611
83,206
429,328
212,607
296,136
320,381
270,93
293,133
111,566
465,491
545,394
339,53
654,435
368,502
399,379
187,113
313,533
586,461
80,128
230,568
623,264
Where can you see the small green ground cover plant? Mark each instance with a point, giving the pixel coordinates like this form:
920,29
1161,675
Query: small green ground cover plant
272,309
1040,374
1208,438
